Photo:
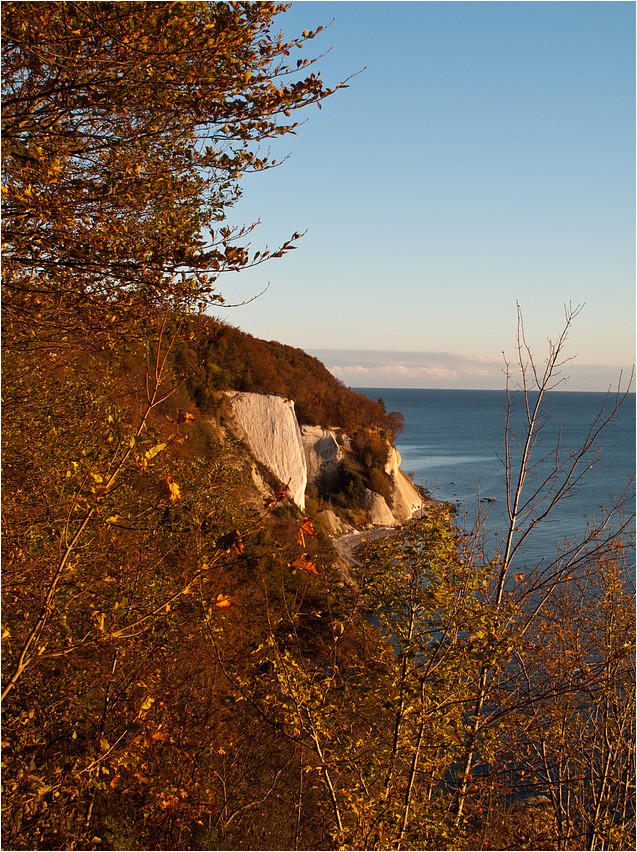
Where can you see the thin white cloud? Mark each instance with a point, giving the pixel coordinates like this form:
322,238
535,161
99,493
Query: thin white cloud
375,368
393,371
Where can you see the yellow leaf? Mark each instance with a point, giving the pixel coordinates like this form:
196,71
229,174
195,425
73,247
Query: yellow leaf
154,450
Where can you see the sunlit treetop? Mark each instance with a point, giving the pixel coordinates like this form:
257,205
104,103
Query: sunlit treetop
126,127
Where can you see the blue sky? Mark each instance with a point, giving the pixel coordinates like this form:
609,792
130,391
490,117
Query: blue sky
486,155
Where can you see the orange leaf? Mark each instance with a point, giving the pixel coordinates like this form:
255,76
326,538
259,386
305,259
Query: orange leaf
159,736
280,493
223,601
305,563
306,529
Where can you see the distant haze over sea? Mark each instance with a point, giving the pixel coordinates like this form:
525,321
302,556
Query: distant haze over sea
403,369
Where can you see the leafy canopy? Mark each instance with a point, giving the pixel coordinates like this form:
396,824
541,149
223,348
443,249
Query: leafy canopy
126,127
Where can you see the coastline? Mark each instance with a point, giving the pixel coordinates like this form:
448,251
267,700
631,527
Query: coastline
347,544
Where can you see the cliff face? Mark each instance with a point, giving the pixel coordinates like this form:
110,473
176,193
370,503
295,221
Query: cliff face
406,498
271,429
323,454
299,456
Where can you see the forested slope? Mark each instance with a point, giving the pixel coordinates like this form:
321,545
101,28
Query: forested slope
221,357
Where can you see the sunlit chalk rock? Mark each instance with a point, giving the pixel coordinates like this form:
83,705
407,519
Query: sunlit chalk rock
270,428
380,515
332,523
406,499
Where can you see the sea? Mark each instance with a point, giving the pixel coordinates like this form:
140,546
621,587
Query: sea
453,445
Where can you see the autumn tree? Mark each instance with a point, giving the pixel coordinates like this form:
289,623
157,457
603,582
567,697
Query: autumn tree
538,475
500,676
575,719
126,128
154,616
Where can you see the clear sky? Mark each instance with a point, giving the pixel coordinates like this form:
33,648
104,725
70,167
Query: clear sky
486,155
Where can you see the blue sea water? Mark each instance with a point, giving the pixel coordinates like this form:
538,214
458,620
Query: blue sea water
452,440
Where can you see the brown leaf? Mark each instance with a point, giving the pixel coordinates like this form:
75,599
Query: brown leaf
169,489
280,493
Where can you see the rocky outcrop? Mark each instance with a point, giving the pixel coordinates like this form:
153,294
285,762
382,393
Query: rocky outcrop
268,424
332,523
380,515
406,499
323,455
298,456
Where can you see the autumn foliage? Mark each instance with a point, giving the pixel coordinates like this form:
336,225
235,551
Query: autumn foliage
220,357
185,662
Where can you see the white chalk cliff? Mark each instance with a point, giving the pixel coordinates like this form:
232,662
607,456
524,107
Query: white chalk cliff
301,455
272,431
380,515
406,498
323,455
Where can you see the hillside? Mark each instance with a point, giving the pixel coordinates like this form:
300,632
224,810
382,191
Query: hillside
144,572
221,357
184,666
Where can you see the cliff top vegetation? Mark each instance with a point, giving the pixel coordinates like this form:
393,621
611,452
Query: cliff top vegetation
221,357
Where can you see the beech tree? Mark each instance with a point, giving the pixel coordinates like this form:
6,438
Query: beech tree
126,128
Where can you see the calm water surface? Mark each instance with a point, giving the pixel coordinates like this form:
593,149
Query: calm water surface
452,440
